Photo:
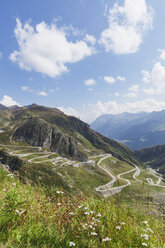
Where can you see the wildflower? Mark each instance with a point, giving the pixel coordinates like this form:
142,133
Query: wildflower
92,212
144,244
80,206
86,213
62,192
150,230
72,244
122,223
90,226
145,222
93,218
4,190
144,236
59,203
84,226
86,208
71,213
10,175
94,233
106,239
14,184
99,215
58,192
118,227
20,213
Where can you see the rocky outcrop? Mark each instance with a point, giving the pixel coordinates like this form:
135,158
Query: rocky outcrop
37,132
13,162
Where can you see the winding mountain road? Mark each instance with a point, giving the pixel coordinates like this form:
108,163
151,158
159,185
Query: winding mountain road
108,189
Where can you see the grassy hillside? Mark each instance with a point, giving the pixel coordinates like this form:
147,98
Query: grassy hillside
35,217
153,156
52,129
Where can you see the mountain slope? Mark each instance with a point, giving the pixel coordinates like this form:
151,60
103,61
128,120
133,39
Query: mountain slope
135,130
52,129
154,157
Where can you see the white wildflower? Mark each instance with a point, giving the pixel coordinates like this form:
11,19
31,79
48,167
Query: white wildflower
14,184
94,233
71,213
144,236
118,227
149,229
58,192
4,190
144,244
20,213
86,213
10,175
122,223
106,239
145,222
59,203
86,208
99,215
72,244
80,206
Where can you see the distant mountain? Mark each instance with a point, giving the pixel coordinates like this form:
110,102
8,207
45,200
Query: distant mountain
153,156
2,107
135,130
51,128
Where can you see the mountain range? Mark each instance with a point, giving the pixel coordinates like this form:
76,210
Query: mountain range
137,131
50,128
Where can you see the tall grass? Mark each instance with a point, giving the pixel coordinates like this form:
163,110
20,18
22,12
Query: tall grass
42,217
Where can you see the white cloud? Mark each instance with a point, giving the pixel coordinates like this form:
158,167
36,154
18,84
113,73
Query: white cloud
117,94
158,76
91,39
127,25
130,95
24,88
51,91
69,111
109,79
90,82
133,91
1,55
120,78
134,88
149,91
8,101
113,107
46,49
162,54
42,93
90,89
146,76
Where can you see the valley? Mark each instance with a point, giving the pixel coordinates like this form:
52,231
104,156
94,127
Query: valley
75,172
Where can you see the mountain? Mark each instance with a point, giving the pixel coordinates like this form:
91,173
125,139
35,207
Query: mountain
2,107
52,129
135,130
13,107
154,157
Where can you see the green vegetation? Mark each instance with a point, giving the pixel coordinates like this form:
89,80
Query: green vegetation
37,217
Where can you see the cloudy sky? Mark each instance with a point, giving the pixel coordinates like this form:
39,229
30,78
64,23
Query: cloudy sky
85,57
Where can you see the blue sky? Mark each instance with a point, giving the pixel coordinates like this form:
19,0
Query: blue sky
85,57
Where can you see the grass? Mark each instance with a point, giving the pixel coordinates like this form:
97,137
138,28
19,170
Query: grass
42,218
